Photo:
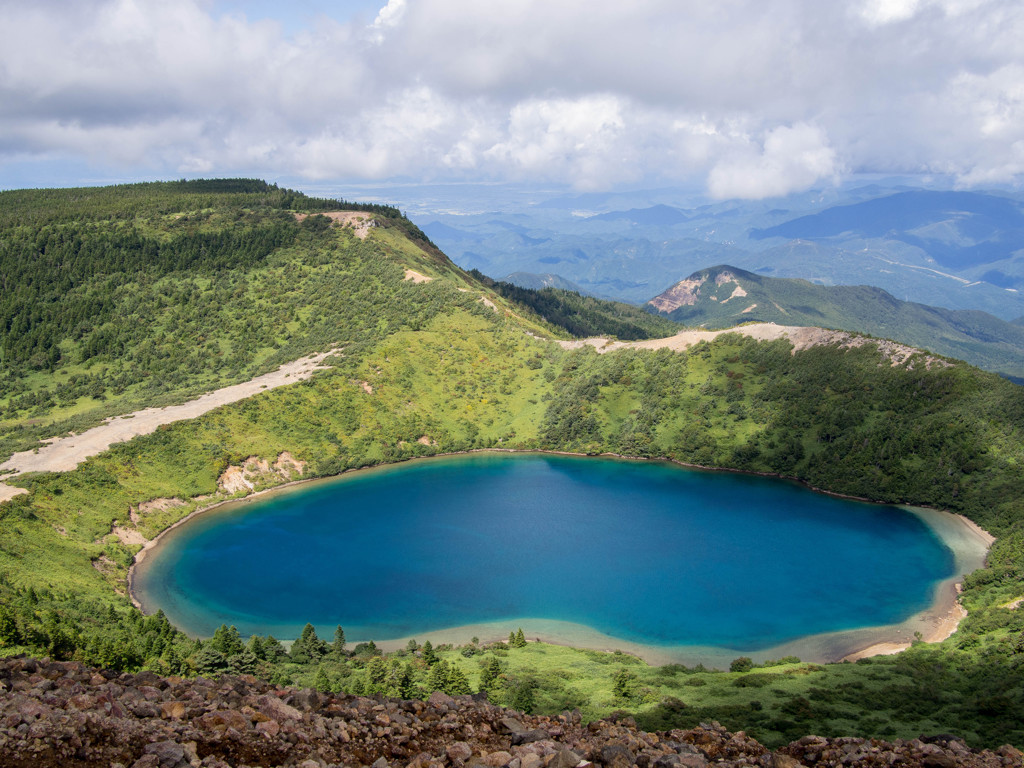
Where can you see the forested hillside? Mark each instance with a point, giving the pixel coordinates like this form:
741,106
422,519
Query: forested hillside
446,364
117,297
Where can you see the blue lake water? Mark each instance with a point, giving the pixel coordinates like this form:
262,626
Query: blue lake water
644,551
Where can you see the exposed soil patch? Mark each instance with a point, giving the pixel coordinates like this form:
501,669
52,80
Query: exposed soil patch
360,222
799,336
154,505
416,277
130,537
255,471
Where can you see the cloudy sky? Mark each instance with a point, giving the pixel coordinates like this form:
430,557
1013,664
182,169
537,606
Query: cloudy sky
742,98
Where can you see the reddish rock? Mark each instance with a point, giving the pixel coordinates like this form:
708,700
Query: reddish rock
269,728
58,715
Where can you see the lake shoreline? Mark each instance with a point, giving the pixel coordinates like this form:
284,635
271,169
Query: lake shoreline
935,623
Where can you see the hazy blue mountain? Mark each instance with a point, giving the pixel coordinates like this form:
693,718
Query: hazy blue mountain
435,230
537,282
957,250
723,296
958,230
655,216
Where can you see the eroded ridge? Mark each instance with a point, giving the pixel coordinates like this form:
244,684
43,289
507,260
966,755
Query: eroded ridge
801,337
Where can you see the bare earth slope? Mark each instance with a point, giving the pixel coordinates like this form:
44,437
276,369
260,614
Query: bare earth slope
801,337
65,453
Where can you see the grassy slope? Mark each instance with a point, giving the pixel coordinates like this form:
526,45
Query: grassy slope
444,366
971,335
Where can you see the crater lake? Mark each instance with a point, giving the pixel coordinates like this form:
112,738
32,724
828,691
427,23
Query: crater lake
645,553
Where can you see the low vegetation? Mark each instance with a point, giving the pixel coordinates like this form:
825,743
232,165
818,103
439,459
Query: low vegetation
450,365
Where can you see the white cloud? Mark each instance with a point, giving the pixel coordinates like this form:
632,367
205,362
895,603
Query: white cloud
389,17
888,11
791,160
750,97
562,139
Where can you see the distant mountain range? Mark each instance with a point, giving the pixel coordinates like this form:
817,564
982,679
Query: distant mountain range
959,250
978,234
538,282
724,296
655,216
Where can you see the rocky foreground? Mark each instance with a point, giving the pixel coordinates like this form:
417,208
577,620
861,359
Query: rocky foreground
69,715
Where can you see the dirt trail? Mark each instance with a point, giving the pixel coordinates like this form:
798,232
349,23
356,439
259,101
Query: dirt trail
62,454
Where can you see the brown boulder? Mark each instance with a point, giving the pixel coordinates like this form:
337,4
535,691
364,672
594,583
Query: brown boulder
222,719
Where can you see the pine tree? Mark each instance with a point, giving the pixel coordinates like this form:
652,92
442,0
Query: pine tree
376,675
173,660
227,640
407,683
489,674
244,663
521,695
308,648
438,677
210,661
456,683
428,654
10,632
255,645
623,684
273,650
338,646
519,639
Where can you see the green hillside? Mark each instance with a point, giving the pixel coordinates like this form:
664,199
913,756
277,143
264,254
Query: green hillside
430,367
724,296
117,298
581,315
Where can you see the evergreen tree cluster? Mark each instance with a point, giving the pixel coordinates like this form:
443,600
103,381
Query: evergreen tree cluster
583,316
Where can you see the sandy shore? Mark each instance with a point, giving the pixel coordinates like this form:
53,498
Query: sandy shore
62,454
968,542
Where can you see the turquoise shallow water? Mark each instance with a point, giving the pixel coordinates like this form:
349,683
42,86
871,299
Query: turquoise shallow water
644,551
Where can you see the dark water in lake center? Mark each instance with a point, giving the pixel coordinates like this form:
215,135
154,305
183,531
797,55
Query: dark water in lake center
644,551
